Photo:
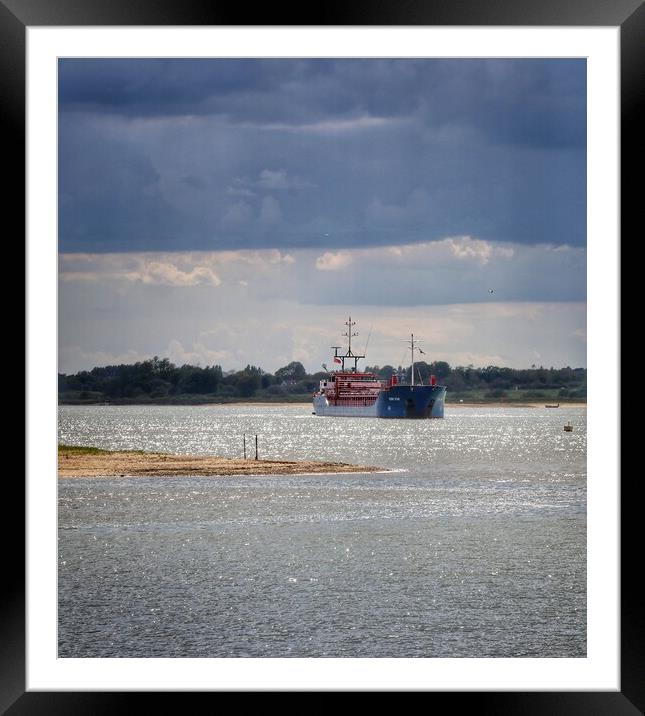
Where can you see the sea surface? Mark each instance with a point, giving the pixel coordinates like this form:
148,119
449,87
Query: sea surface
472,545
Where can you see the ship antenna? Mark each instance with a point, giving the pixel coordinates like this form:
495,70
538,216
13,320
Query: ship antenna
367,342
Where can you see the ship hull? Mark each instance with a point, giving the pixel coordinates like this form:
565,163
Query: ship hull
399,401
412,402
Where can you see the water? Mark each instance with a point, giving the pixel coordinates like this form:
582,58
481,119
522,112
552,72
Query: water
474,547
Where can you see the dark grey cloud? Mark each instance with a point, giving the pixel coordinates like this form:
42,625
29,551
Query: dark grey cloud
531,101
212,154
109,191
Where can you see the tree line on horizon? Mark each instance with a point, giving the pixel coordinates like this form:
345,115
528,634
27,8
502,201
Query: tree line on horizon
158,380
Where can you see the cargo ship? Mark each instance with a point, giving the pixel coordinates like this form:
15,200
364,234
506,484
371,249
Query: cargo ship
348,392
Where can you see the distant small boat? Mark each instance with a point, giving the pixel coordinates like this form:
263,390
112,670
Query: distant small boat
568,428
552,405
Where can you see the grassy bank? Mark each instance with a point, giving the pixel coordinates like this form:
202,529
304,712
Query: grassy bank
75,450
550,396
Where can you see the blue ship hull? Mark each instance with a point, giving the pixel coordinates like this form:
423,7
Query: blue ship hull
411,401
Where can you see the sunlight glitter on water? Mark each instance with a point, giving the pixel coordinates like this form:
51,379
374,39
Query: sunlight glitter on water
483,527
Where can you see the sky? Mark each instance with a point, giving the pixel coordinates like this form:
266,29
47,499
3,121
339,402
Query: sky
236,211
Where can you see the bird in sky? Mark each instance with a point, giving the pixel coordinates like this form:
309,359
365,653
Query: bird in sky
490,290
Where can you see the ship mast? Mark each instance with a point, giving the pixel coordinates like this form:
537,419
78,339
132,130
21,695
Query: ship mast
412,344
412,348
350,324
349,334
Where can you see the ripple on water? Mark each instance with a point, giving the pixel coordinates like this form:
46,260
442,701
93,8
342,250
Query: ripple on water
474,545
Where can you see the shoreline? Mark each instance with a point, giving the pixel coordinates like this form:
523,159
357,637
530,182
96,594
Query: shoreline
80,462
514,405
518,404
260,404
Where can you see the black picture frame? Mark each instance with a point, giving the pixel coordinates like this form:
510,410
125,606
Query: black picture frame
629,15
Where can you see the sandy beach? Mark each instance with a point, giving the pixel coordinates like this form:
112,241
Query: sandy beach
75,463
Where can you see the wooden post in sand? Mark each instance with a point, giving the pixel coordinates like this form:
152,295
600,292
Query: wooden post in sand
256,447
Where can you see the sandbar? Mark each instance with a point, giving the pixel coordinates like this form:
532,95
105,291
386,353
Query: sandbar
74,463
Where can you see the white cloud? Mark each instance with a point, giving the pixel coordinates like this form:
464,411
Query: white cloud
269,307
331,261
424,254
181,269
238,329
456,270
198,354
74,358
467,248
78,276
157,272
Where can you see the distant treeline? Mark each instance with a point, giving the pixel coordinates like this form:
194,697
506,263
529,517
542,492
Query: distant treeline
159,381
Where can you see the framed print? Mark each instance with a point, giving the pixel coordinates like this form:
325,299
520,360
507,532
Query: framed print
210,193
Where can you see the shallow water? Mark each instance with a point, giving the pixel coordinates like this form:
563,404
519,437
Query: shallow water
474,547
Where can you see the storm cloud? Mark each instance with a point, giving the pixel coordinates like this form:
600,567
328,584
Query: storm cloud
212,154
236,211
